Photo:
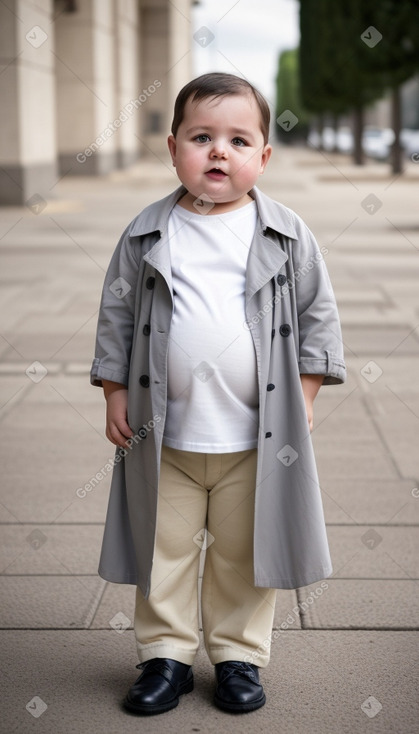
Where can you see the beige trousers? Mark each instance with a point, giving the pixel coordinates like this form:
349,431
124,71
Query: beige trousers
198,491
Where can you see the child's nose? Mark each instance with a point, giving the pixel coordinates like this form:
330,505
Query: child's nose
218,149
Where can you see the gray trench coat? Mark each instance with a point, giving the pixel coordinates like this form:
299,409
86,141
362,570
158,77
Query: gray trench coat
292,314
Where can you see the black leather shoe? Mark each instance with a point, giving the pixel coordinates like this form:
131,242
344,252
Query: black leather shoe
159,686
238,688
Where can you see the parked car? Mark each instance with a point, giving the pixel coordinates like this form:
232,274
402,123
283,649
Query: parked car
377,142
342,140
410,142
345,140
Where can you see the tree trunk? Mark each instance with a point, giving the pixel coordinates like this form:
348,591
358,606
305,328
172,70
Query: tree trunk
396,123
320,126
335,126
358,126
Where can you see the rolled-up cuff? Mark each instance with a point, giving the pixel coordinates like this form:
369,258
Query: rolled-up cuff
331,366
98,373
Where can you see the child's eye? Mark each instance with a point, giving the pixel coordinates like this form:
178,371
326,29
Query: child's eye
238,141
203,138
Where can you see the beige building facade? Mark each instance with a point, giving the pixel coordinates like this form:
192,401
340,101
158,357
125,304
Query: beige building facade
86,86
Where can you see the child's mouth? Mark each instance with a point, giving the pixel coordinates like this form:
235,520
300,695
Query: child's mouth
216,173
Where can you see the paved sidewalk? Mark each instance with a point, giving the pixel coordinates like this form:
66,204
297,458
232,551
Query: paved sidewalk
348,659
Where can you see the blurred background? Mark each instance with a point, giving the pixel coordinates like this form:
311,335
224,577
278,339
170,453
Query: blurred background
88,87
86,99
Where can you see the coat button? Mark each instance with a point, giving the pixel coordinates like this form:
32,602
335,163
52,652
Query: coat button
150,283
146,329
268,434
281,279
145,381
285,330
270,387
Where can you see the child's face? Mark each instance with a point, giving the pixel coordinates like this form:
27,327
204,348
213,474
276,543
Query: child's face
219,150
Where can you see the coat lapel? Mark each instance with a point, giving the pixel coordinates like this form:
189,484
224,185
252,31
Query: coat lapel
266,257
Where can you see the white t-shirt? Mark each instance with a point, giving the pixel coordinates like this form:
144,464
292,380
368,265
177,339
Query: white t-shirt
213,404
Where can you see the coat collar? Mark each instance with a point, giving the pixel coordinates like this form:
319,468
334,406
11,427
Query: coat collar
272,214
266,256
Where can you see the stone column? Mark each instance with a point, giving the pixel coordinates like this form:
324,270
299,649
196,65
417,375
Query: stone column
166,58
27,109
128,100
85,82
180,70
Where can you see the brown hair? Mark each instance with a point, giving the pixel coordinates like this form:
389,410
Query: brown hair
219,84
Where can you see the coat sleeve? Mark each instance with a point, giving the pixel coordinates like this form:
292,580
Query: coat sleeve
320,338
115,326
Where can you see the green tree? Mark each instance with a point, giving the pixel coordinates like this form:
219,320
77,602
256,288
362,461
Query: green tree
335,76
288,97
351,52
396,56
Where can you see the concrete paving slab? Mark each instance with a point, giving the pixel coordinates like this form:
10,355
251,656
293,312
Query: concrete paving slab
11,386
340,414
363,604
374,296
45,497
87,445
397,370
50,549
398,416
374,551
49,602
343,465
378,340
355,315
82,678
60,412
53,346
382,270
61,326
117,599
70,384
375,501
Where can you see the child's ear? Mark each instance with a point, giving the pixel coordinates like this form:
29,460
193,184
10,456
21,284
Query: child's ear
171,142
266,154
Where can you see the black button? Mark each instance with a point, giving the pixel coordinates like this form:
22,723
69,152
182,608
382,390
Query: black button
142,433
146,329
270,387
281,279
268,434
150,283
272,333
145,381
285,330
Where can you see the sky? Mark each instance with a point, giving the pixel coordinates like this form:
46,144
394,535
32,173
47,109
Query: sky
248,37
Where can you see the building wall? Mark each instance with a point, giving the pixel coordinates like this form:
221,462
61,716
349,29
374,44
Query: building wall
86,87
27,94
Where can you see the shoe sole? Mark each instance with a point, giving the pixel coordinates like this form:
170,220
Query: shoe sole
153,709
239,708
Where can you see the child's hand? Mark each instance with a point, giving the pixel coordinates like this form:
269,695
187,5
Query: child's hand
310,412
311,385
117,428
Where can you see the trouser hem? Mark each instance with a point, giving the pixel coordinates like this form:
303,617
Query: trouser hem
148,652
222,654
